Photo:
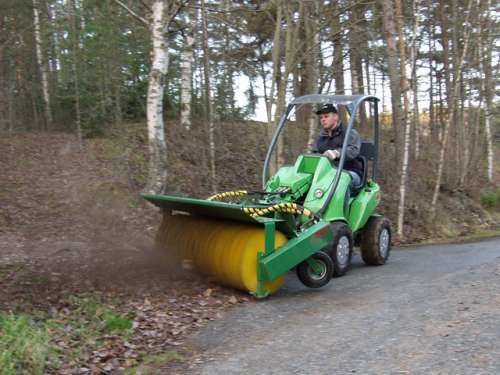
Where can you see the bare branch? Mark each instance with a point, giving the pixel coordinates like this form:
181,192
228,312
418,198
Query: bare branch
132,13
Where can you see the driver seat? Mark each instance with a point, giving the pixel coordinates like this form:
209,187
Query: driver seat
367,153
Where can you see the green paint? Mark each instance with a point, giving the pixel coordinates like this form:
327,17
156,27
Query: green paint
363,206
296,250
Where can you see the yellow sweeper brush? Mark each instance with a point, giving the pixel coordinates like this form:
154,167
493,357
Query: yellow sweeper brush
222,249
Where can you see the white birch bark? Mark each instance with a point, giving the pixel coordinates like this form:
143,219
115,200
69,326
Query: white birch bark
187,76
406,126
82,22
156,133
56,48
186,81
41,64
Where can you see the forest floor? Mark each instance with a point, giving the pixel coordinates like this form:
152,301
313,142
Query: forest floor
79,258
77,262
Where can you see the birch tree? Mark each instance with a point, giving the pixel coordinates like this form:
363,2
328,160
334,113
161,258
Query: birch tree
162,14
187,73
156,129
406,126
42,66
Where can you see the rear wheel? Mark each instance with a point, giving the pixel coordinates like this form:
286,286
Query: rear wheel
340,250
376,241
318,276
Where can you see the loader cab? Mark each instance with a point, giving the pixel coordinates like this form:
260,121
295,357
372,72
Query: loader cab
351,107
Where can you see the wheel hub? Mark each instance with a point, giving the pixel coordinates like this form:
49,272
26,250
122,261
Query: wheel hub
384,239
314,275
343,250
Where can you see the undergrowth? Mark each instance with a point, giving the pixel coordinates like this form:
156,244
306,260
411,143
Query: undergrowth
491,199
24,345
45,342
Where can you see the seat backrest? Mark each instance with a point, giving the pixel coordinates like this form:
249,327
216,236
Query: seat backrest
367,150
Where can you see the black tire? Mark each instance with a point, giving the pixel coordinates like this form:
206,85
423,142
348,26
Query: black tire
376,241
340,250
312,280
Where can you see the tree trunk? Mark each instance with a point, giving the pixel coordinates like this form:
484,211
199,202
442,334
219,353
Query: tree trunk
357,43
276,57
276,73
289,61
4,92
406,125
458,128
41,64
55,47
156,130
74,68
414,78
432,122
208,99
393,66
487,86
338,58
187,75
313,37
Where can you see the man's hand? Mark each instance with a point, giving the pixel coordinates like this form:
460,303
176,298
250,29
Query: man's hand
332,154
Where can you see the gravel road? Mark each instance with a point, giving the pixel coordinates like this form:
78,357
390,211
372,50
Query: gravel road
430,310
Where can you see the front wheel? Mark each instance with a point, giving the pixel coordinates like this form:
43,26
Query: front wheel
376,241
317,275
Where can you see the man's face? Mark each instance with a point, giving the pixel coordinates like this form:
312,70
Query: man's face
329,120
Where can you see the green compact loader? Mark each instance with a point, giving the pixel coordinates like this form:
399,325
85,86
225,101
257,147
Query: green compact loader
304,217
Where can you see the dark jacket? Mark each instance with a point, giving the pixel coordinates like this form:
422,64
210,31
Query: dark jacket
335,141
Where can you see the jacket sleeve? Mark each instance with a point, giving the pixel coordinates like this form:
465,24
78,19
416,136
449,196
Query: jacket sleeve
353,145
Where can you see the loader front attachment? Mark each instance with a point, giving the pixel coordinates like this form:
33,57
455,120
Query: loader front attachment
223,241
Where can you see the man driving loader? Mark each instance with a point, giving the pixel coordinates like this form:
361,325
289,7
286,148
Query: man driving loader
331,138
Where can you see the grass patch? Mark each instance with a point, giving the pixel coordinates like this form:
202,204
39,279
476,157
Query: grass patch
24,345
117,323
